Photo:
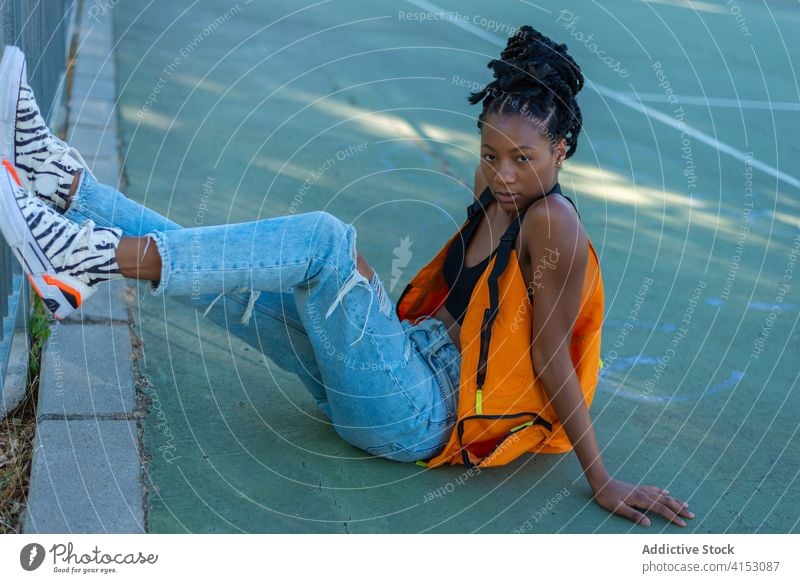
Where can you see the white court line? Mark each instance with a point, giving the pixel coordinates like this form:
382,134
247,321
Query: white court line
697,134
622,99
718,101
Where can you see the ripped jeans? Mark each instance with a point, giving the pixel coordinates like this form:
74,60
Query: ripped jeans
289,287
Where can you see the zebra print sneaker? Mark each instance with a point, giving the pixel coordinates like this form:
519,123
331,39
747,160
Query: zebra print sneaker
64,261
48,164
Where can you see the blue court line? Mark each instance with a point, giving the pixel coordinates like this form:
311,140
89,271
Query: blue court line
623,364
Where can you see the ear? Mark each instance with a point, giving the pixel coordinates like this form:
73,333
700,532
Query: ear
561,150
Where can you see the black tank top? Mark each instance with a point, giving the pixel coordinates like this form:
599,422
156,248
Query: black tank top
462,279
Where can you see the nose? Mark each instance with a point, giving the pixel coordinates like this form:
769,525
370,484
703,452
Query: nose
506,173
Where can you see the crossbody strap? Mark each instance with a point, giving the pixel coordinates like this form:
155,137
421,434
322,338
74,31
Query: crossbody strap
502,255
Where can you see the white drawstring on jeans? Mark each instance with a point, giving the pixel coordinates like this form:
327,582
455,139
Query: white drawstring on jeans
248,312
251,304
354,279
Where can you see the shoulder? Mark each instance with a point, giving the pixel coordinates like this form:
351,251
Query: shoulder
553,220
552,235
556,258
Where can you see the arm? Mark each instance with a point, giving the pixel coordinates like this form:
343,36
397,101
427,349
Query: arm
558,262
558,250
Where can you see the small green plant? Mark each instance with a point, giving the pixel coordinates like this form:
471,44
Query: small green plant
39,330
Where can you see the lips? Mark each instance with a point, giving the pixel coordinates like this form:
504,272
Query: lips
507,196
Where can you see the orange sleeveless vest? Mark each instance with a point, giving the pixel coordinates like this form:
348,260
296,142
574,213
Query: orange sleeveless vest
503,409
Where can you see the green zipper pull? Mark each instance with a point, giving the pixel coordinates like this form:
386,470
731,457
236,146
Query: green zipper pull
521,426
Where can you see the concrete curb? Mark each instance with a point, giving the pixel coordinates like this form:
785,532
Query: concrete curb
15,377
87,465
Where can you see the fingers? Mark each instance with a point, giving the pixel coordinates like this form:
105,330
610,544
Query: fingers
668,513
655,491
643,498
632,514
671,509
677,506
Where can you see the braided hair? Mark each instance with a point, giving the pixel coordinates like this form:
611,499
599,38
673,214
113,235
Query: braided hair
535,77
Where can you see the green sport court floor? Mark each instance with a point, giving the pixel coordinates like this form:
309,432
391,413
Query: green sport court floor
686,177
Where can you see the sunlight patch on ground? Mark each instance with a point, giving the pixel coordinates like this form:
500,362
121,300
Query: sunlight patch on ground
151,119
673,208
379,124
278,166
695,5
198,83
467,140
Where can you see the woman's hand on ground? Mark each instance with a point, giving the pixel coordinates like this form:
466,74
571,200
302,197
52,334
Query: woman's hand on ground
623,498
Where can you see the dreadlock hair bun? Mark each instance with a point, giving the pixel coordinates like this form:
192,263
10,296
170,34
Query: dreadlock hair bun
537,78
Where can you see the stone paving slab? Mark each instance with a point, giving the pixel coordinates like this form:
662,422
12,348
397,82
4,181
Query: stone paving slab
85,86
95,15
106,170
86,370
95,67
95,39
85,478
92,112
98,44
94,141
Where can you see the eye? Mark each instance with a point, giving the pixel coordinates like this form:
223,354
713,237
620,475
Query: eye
524,158
487,157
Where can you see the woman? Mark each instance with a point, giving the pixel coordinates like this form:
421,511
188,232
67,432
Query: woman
389,384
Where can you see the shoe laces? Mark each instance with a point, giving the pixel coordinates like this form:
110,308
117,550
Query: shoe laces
59,150
83,238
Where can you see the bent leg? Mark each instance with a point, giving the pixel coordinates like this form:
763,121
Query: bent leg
383,395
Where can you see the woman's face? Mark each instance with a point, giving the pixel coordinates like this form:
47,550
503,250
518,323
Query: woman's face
518,161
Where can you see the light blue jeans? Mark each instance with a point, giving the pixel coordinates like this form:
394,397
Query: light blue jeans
289,287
